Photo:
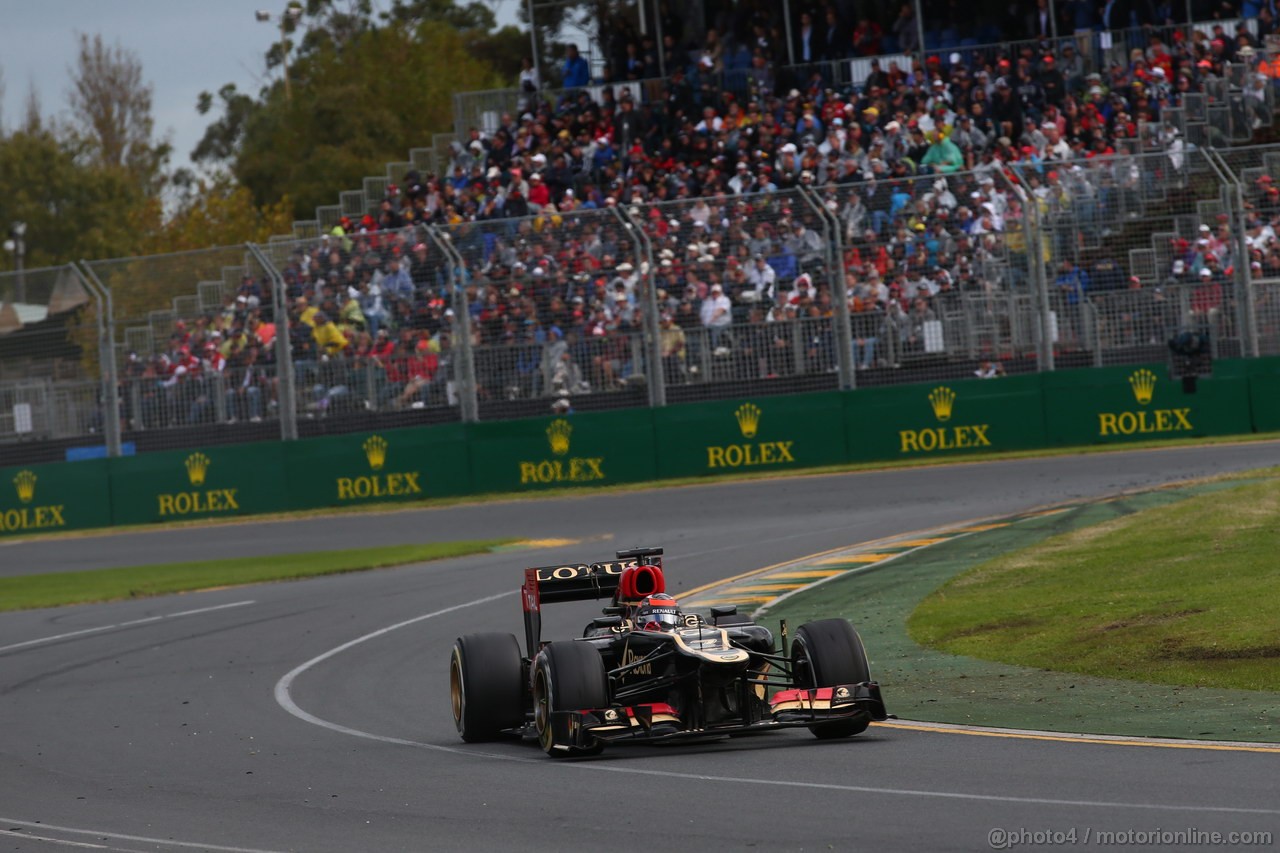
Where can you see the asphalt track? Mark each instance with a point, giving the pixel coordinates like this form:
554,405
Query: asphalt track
314,716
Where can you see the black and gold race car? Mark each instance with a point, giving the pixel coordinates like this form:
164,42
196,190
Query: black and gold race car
648,671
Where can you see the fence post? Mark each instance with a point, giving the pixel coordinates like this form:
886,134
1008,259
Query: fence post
842,329
1234,203
106,356
1037,280
1250,345
464,358
287,389
657,378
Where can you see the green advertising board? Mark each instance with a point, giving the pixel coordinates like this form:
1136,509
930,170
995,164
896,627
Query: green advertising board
583,449
1141,403
961,416
55,496
1264,402
208,482
393,465
749,434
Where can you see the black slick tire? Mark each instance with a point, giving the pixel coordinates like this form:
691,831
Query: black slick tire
567,676
827,653
486,686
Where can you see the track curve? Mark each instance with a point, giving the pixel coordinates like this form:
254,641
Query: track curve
314,715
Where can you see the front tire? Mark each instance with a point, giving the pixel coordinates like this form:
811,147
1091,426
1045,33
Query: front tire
486,686
827,653
567,676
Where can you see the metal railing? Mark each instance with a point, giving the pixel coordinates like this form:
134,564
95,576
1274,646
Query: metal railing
1045,266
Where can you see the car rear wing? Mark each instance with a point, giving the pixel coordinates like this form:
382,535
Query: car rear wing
575,582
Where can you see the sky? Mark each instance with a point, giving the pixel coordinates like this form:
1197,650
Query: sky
185,47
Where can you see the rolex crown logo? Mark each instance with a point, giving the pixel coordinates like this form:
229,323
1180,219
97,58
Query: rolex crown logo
197,467
1143,383
375,450
942,399
25,482
748,417
558,435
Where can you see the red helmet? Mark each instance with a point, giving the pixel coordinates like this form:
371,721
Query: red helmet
658,612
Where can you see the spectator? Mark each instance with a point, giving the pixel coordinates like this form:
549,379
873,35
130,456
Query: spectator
529,86
988,369
672,344
574,73
716,314
329,338
1070,289
905,30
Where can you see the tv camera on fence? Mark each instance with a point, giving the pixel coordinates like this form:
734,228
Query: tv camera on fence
1190,357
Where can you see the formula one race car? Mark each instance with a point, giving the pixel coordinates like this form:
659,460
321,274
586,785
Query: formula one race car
648,671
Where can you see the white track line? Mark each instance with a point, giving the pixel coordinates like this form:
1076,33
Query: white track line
129,624
116,835
285,700
63,842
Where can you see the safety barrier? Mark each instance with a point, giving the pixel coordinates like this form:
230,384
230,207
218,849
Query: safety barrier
53,497
928,420
1127,404
922,421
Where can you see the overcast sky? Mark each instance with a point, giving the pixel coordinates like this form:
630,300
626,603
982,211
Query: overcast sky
186,47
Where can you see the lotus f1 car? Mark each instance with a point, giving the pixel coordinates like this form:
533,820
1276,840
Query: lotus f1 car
647,671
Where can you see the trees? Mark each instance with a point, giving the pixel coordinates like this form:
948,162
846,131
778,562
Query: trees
95,184
111,111
364,91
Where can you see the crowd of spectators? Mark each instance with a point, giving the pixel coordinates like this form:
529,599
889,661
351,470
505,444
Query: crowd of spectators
829,31
916,163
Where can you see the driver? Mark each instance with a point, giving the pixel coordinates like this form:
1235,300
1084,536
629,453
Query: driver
658,612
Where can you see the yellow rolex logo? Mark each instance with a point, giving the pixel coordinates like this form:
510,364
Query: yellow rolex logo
558,435
197,467
748,417
942,399
375,450
1143,383
25,482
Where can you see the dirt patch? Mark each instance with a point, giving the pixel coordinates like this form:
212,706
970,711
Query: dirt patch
1202,653
990,627
1150,619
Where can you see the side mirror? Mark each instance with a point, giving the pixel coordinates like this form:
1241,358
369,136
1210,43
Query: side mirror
607,622
724,610
615,610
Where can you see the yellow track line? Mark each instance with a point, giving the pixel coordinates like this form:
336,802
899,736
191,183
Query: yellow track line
1067,738
816,573
809,558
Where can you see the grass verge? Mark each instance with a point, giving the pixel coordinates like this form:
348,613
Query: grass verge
1181,594
24,592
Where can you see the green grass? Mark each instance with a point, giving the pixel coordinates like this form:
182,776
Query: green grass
60,588
1183,594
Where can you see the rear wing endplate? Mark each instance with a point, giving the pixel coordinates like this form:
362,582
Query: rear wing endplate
574,582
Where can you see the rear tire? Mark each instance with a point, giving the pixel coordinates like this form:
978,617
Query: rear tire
567,676
486,686
827,653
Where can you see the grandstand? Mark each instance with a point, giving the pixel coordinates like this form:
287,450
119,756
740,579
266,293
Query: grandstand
710,233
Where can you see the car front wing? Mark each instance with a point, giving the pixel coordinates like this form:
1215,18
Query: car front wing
660,722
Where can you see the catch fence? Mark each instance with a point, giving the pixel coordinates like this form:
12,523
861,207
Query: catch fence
900,279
